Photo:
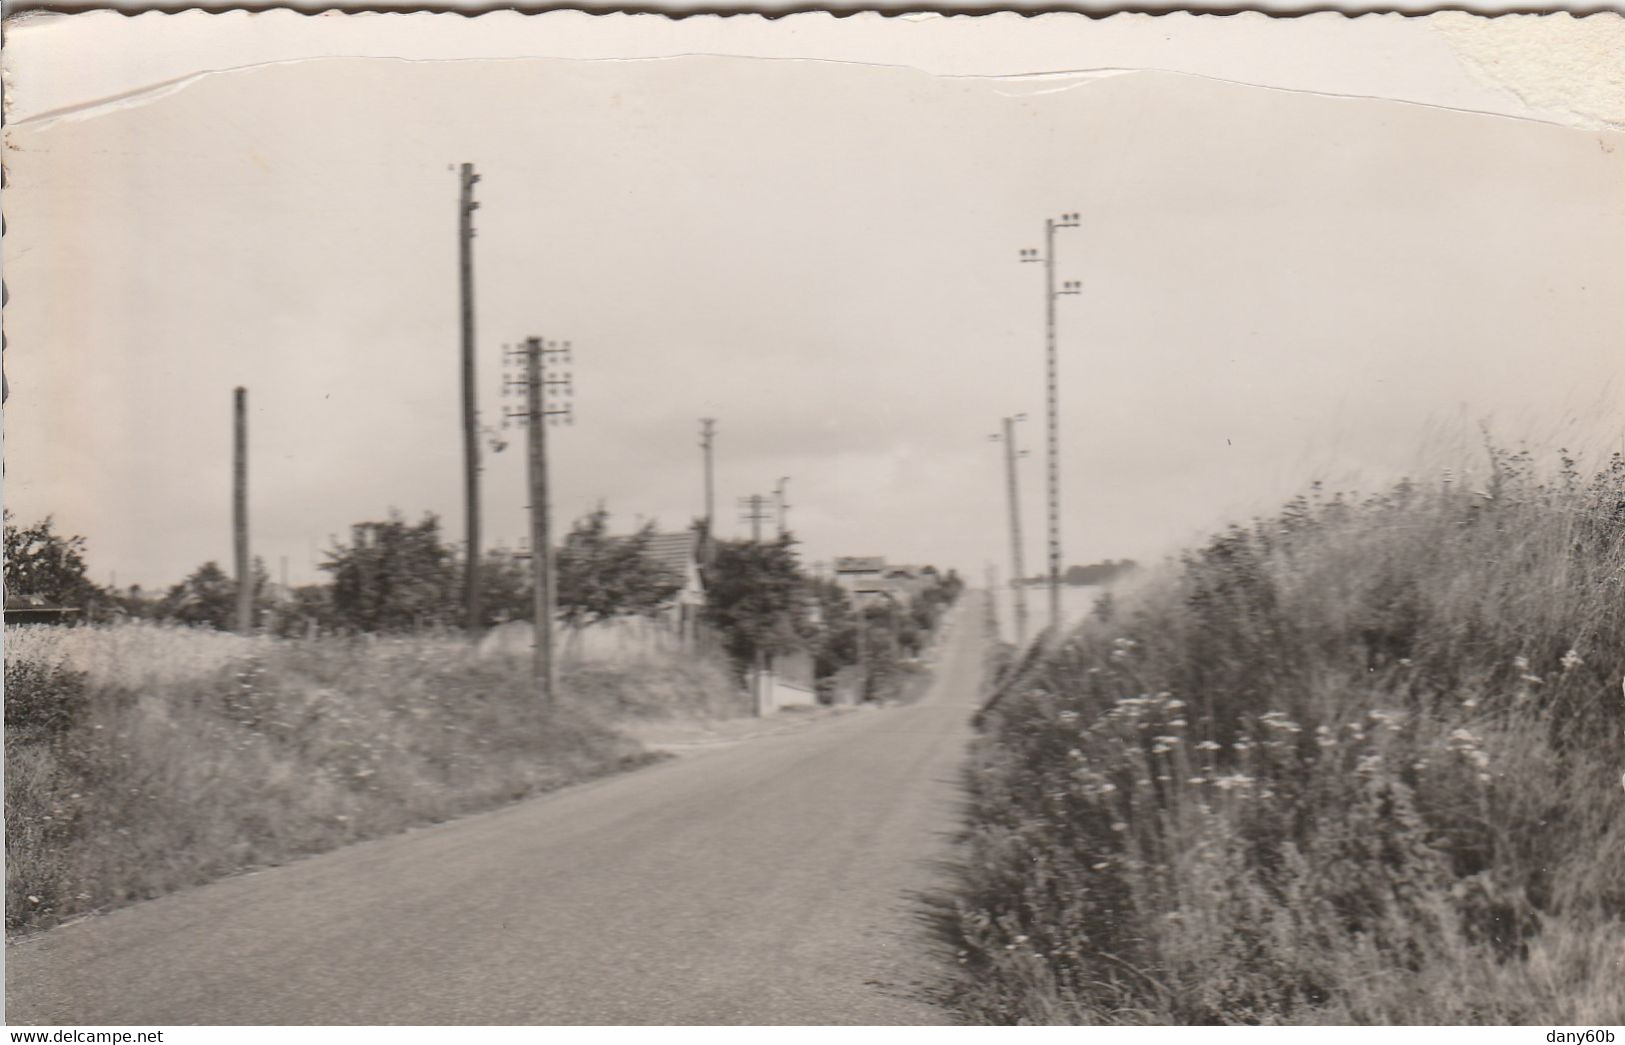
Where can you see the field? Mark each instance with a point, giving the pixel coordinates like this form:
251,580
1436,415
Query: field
1357,763
143,759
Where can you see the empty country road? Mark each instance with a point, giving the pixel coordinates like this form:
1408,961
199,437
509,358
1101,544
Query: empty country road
767,882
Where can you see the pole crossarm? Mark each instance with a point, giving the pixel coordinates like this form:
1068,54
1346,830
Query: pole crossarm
753,510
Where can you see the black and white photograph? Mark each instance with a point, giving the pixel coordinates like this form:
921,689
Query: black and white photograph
596,521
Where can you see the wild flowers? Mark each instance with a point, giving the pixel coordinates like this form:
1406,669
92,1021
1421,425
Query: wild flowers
1319,729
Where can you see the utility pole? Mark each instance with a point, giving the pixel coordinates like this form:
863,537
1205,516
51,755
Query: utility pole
753,509
239,511
466,207
1052,419
536,417
863,651
708,431
783,505
1018,572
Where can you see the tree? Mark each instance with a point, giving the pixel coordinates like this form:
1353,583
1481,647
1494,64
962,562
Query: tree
756,598
505,589
1098,572
206,598
600,576
45,565
835,639
392,576
306,610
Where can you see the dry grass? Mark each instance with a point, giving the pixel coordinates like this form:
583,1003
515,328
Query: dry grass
192,754
1359,763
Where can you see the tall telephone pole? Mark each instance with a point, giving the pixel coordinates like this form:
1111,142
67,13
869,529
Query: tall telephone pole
782,505
1018,572
753,509
537,415
708,431
1052,417
466,207
239,511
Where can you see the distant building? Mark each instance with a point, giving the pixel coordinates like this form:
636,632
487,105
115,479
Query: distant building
680,553
906,581
862,576
31,609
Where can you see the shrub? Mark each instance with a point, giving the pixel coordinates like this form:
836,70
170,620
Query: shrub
43,701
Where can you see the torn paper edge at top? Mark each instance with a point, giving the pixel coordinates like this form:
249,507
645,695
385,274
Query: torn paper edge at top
1554,68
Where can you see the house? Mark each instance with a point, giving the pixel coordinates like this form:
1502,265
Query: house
680,553
31,609
862,576
906,581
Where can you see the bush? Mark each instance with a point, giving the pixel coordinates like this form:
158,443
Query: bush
43,701
1357,763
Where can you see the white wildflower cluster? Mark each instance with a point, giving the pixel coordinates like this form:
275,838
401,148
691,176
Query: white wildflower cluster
1067,717
1233,782
1369,765
1146,705
1208,745
1277,721
1325,737
1466,745
1091,783
1571,660
1386,718
1163,745
1122,649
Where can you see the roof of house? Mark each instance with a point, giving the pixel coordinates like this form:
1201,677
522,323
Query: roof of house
27,614
859,564
673,550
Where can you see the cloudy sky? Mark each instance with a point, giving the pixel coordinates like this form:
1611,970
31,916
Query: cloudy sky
1278,287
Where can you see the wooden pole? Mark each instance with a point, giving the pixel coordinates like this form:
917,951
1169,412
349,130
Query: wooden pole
239,511
708,430
471,443
1052,429
1018,571
541,539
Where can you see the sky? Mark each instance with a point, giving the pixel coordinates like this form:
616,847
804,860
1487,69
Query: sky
1278,287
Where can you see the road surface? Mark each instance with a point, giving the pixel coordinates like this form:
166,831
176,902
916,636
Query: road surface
767,882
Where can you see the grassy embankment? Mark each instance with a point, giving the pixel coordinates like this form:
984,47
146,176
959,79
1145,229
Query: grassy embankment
1359,763
144,759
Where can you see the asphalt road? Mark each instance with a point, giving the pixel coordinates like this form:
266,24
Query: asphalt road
771,881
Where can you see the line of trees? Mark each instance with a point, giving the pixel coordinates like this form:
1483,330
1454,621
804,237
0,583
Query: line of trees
395,575
759,601
1095,573
392,575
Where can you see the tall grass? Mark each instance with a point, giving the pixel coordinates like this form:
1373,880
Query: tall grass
142,759
1358,763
